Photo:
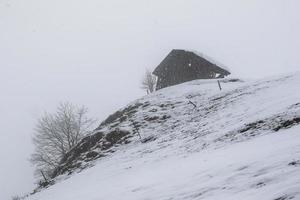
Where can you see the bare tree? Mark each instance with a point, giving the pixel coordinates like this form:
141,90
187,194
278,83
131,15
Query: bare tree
149,82
55,134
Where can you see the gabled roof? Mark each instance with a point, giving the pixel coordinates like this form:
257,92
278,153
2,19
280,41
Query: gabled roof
199,57
211,60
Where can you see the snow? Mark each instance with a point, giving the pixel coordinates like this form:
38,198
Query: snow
211,60
226,148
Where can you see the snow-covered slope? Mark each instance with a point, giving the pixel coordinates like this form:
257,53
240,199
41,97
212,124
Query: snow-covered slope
239,143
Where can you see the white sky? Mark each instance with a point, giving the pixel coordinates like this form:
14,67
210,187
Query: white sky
94,52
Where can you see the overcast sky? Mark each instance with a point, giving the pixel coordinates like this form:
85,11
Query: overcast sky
94,52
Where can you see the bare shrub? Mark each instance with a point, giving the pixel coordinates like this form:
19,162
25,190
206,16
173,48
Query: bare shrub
55,134
149,82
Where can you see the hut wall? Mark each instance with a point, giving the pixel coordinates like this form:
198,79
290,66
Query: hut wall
182,66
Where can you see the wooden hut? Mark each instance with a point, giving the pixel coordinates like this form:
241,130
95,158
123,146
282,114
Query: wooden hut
182,66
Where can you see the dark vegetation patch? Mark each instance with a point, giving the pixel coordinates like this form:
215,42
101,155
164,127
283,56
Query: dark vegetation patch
91,148
260,184
146,104
232,80
223,100
122,115
151,118
136,124
42,184
153,110
164,117
167,105
148,139
92,154
252,126
82,147
242,168
156,118
114,137
275,123
101,142
45,184
231,95
296,105
287,123
294,163
285,197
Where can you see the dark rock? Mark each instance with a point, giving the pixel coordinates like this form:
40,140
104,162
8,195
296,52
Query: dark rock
85,149
148,139
156,118
260,184
287,123
116,136
128,111
285,197
146,104
83,146
92,154
294,163
250,126
164,117
152,118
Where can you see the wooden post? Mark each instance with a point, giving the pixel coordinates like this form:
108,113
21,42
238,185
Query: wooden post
219,85
44,176
139,134
190,102
136,129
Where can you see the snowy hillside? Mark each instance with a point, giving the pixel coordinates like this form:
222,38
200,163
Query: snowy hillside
239,143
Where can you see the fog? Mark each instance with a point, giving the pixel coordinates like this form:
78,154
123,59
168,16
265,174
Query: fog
95,52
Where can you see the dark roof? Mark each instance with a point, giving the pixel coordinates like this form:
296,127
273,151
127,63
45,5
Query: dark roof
178,54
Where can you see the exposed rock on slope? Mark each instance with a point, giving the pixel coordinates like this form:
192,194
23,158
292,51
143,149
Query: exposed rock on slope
91,148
